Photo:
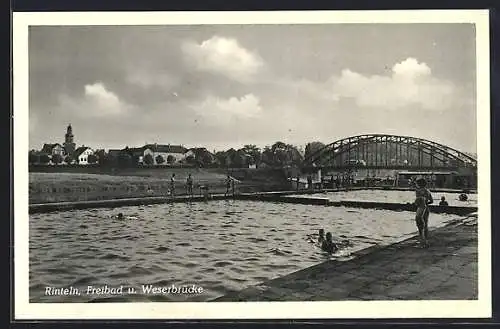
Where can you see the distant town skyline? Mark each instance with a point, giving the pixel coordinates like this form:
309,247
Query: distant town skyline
226,86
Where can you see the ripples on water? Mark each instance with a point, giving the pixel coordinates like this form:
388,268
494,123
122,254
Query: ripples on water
222,246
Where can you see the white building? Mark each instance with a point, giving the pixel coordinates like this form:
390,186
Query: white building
81,155
169,153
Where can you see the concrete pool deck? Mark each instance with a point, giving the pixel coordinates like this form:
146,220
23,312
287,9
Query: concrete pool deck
447,270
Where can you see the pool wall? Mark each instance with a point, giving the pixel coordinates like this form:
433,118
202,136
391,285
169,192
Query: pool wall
281,196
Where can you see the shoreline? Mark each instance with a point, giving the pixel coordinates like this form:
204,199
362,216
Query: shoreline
447,270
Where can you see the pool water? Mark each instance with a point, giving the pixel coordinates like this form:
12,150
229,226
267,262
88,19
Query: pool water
221,246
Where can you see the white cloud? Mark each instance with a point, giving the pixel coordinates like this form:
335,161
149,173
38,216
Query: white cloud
222,111
411,83
224,56
410,67
96,102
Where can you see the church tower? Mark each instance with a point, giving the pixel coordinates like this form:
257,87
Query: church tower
69,144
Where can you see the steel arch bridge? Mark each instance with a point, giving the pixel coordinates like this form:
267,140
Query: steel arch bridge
388,151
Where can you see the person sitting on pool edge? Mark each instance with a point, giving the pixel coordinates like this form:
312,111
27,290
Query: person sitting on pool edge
443,201
328,244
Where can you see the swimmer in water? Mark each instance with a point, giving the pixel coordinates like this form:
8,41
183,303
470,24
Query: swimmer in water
463,197
422,201
328,245
119,216
321,236
443,201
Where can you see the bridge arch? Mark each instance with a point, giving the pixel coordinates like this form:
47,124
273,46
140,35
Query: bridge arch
389,151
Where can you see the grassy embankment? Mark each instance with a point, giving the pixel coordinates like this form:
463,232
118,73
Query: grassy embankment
59,186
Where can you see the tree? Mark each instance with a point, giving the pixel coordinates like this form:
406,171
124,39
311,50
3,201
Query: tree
148,159
102,157
253,153
313,148
67,159
267,156
92,159
57,158
281,154
206,159
124,160
190,159
170,159
32,157
203,157
44,158
159,159
235,158
221,158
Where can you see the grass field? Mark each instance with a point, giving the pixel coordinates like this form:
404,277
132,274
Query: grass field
62,186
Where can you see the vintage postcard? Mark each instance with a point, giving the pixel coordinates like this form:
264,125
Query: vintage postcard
252,165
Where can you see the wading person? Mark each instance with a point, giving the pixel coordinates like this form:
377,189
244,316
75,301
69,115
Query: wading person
422,201
189,185
443,201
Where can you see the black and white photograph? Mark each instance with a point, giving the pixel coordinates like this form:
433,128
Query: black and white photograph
219,165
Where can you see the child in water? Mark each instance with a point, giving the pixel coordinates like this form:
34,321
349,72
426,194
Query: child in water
422,201
328,244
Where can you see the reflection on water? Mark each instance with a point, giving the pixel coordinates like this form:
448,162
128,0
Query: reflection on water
392,197
221,246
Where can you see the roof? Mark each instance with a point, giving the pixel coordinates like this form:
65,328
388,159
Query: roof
80,150
114,152
165,148
47,148
134,151
200,150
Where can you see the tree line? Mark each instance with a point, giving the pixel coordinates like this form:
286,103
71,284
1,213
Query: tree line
279,154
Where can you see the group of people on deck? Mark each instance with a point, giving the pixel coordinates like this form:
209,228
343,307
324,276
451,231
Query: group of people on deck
229,183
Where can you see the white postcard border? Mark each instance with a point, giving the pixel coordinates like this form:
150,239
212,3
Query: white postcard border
247,310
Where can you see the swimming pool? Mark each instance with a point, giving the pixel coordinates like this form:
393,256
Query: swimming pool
221,246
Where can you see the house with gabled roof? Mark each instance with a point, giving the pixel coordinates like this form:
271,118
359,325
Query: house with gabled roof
81,155
52,149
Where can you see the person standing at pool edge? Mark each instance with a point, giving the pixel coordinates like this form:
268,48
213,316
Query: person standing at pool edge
422,201
172,185
189,185
228,184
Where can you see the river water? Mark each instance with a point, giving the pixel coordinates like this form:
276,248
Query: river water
221,246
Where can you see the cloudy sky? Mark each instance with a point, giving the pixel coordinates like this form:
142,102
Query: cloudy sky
225,86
